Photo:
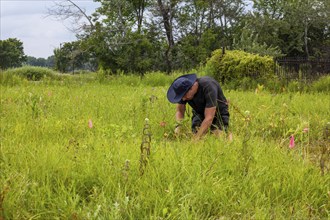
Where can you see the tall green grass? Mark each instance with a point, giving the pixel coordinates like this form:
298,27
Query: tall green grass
70,149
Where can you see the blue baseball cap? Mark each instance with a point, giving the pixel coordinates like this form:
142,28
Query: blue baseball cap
180,87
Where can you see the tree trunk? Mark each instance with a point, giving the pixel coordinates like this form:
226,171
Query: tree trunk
210,23
306,38
167,21
139,7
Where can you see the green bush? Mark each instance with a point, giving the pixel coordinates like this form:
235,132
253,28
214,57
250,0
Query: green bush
235,65
321,85
32,73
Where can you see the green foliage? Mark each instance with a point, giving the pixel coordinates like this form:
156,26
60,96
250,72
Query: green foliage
33,61
9,79
298,28
194,50
137,36
102,74
11,53
71,56
136,56
32,73
321,85
234,65
157,79
302,85
249,43
149,79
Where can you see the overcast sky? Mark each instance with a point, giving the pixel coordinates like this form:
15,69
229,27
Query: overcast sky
27,21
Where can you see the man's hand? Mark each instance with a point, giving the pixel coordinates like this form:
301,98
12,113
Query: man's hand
206,123
196,138
177,130
179,115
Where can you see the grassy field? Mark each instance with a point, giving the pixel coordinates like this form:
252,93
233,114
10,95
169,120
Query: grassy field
76,149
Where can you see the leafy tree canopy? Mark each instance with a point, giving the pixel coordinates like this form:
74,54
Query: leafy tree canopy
11,53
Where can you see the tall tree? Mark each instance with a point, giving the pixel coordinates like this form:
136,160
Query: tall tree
117,22
166,10
11,53
139,7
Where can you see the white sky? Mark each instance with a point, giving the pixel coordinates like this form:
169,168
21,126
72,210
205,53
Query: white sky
27,21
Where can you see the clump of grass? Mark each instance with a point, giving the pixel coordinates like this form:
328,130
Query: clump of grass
9,79
321,85
157,79
32,73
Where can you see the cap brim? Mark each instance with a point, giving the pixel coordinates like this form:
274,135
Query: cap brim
175,98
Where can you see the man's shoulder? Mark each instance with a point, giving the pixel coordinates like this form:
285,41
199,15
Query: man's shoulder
206,80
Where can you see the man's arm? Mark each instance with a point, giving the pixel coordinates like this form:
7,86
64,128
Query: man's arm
179,115
209,116
180,110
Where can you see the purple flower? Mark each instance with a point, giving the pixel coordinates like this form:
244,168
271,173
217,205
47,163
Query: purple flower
291,142
90,123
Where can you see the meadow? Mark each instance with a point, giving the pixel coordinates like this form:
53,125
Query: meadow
85,148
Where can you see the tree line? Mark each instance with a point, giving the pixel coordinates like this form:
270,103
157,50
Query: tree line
150,35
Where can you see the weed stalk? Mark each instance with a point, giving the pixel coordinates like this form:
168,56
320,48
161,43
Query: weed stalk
145,146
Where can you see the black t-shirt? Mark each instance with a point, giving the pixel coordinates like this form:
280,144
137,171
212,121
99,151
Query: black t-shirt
209,94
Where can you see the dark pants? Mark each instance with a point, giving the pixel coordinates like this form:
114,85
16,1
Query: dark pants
219,122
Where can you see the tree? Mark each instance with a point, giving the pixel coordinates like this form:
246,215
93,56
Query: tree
11,53
309,18
68,10
167,11
298,28
248,42
33,61
70,57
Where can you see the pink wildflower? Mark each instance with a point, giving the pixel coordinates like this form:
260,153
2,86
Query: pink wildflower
291,142
90,123
305,130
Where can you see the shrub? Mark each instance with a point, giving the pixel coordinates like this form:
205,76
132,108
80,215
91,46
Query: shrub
235,65
32,72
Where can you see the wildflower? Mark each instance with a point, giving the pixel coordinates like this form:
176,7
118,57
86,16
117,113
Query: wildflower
291,142
162,124
90,123
305,130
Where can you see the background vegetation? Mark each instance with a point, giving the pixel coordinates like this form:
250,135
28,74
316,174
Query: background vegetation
139,36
